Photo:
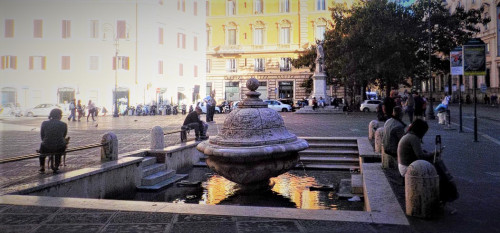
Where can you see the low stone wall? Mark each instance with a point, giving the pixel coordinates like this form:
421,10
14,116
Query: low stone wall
177,157
106,180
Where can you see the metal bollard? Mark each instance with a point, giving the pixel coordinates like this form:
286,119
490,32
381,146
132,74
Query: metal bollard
109,152
421,189
157,138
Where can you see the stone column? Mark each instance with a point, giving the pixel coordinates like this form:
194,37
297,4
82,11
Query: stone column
157,138
319,88
421,189
109,152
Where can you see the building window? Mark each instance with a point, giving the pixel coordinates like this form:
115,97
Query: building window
231,7
284,6
37,62
94,29
66,28
160,67
285,35
320,5
195,41
9,28
9,63
181,40
258,36
195,71
209,65
181,70
207,6
285,64
195,8
122,29
231,65
258,6
122,62
37,28
65,63
94,63
259,65
320,32
160,35
231,36
183,6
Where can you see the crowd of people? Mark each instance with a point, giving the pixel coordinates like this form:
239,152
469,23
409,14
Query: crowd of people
77,108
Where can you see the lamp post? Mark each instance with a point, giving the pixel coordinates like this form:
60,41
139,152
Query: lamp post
109,27
430,108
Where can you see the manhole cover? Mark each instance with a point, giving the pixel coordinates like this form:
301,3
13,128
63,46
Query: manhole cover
493,173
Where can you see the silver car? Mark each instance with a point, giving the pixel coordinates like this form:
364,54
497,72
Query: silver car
369,105
42,110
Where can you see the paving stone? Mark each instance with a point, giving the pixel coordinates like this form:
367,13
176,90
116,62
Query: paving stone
385,228
69,228
3,207
204,227
16,228
271,226
22,219
334,226
203,218
142,217
81,210
133,228
31,209
80,218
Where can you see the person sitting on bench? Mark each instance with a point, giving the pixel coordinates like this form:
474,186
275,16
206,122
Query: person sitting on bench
53,133
394,129
193,121
410,147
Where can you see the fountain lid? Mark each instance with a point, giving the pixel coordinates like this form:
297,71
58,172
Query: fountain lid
253,123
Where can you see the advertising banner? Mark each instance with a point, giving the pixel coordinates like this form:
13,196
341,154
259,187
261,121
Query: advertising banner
456,65
474,55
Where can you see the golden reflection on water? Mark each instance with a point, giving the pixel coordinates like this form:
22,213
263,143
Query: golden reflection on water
295,188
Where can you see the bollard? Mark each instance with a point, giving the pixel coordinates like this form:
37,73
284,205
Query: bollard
448,117
371,129
157,138
421,189
387,160
109,152
379,134
441,117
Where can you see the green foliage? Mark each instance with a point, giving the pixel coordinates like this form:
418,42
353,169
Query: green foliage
382,43
308,85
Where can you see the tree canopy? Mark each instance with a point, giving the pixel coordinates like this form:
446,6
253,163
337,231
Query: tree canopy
382,43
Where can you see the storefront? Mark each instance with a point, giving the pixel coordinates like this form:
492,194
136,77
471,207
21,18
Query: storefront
65,95
9,96
232,91
285,89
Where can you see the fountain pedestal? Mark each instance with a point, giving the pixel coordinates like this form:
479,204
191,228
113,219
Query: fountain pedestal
253,144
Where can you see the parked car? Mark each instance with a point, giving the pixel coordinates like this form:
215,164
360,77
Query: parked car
369,105
278,106
11,110
203,107
42,110
289,102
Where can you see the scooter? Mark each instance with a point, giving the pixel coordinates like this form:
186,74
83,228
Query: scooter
175,110
168,109
183,109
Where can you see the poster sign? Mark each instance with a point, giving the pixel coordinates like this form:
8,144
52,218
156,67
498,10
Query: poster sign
454,87
474,54
456,65
462,88
483,87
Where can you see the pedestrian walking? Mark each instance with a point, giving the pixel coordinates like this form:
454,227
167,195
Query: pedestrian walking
79,109
419,106
410,107
91,108
72,109
208,104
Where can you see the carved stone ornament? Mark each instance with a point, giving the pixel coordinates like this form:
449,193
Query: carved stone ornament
254,144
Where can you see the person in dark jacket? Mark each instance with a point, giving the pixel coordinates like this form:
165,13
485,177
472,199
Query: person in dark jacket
193,121
53,133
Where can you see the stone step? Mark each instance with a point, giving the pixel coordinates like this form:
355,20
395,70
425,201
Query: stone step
333,167
163,184
330,140
329,160
337,145
148,161
357,183
323,152
152,169
200,164
157,178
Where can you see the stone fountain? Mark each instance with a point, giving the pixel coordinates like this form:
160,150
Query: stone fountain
254,144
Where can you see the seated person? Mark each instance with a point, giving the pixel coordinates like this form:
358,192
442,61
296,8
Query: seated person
193,121
321,102
394,129
53,133
314,103
410,148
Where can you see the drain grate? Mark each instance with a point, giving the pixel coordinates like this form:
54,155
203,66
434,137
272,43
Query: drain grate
493,173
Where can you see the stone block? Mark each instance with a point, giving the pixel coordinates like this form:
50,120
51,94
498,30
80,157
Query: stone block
421,189
379,134
357,183
157,138
109,152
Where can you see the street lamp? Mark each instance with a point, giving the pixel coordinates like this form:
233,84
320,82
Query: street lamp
430,108
116,39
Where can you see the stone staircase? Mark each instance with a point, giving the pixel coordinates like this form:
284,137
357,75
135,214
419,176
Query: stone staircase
324,154
155,176
330,153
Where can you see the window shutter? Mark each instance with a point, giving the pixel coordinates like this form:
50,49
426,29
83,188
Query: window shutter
125,61
3,62
195,8
183,41
44,61
13,62
195,43
114,63
30,62
178,40
195,71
